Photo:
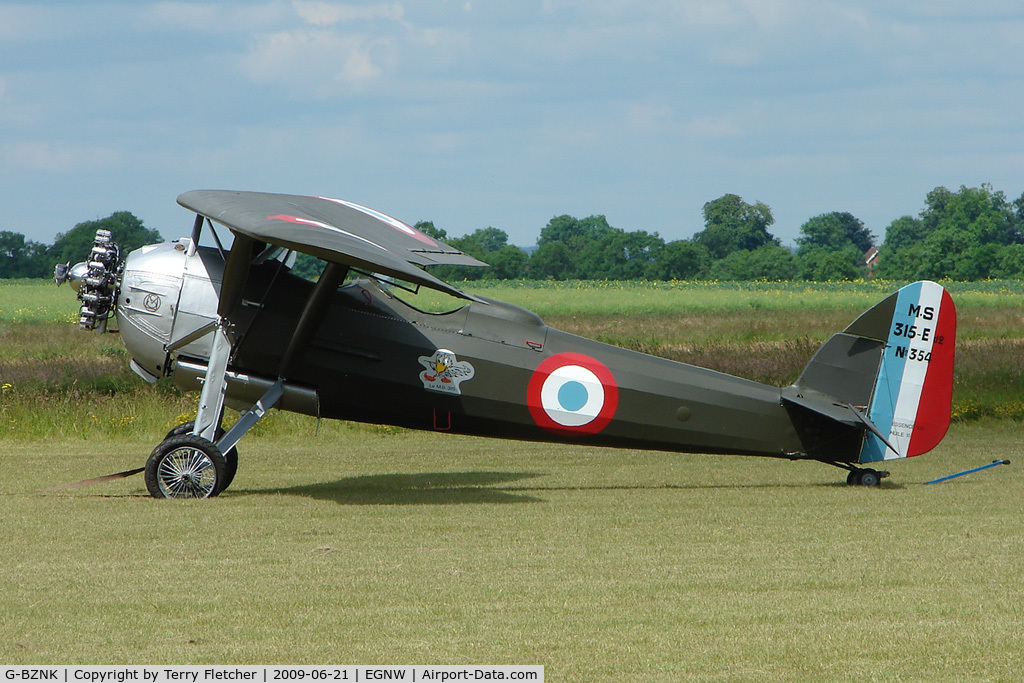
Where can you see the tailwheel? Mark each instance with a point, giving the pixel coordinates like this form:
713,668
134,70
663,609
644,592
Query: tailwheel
858,477
185,466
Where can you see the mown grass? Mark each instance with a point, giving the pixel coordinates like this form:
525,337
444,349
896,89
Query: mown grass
600,565
342,543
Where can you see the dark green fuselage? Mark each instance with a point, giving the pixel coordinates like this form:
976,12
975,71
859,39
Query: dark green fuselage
370,356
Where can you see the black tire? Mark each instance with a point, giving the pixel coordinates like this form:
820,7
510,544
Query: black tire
183,428
230,458
869,478
853,477
185,466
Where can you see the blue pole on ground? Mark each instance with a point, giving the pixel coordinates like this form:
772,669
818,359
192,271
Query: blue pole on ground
976,469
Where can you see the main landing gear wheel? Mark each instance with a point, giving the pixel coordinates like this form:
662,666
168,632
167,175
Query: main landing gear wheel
865,477
185,466
230,458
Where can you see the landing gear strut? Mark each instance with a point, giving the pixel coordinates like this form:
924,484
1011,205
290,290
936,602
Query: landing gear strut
198,459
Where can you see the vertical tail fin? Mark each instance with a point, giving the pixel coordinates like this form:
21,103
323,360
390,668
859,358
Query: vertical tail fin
882,388
914,392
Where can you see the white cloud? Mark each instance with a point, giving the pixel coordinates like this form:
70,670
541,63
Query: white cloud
782,100
325,54
193,16
648,118
331,13
713,128
31,23
316,60
53,157
212,17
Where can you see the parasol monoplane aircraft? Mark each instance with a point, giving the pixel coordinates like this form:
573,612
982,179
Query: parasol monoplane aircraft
237,324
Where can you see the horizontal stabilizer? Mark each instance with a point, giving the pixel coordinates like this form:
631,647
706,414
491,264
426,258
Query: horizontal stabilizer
843,413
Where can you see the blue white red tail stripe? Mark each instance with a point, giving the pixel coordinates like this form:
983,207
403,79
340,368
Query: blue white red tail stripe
913,392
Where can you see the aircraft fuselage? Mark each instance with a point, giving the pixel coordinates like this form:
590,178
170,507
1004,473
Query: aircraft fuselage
488,368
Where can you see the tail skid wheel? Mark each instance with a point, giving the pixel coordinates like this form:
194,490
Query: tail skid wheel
185,466
859,477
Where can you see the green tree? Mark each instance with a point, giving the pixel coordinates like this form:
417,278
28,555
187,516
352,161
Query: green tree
430,230
308,266
827,265
978,210
681,260
904,232
491,246
591,248
956,255
901,255
770,262
620,255
574,233
127,230
731,225
960,235
1010,263
507,263
552,261
23,258
489,239
834,231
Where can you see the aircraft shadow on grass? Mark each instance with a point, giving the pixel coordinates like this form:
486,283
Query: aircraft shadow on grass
462,488
427,488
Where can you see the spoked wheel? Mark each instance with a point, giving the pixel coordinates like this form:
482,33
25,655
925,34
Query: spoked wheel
230,458
185,466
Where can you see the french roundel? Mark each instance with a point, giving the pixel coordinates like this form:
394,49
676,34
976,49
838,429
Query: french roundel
570,394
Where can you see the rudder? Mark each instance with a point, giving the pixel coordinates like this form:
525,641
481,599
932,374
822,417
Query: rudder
913,394
882,388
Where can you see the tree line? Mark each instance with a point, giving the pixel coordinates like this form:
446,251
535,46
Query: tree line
25,258
970,234
974,233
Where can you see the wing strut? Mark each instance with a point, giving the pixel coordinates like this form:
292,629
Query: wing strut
316,306
211,400
236,272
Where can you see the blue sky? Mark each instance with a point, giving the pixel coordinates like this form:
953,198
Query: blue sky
506,113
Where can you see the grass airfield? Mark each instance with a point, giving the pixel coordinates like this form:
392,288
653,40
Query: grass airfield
363,546
369,545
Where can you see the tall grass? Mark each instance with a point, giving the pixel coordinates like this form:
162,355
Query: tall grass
24,300
41,301
59,382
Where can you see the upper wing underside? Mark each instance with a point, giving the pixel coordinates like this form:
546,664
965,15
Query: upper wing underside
333,230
